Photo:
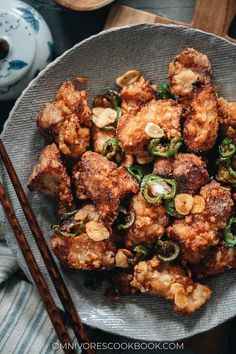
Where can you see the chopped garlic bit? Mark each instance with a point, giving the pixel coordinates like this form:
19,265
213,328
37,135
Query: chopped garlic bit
184,203
153,130
82,80
186,77
103,116
97,231
121,259
198,204
128,78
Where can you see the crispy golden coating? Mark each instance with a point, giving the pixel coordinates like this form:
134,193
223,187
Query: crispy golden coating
49,117
70,101
99,138
171,282
67,120
196,233
217,260
120,285
186,69
126,183
49,177
188,170
202,121
103,183
136,95
82,252
99,178
163,166
219,204
150,222
131,127
227,114
71,138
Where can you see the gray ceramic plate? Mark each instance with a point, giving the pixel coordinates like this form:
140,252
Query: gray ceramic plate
149,48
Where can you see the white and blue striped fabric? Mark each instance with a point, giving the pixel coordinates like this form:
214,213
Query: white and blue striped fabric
25,327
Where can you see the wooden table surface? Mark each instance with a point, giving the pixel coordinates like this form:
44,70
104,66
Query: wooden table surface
70,27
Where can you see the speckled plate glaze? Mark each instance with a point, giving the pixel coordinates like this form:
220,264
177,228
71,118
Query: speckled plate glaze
149,48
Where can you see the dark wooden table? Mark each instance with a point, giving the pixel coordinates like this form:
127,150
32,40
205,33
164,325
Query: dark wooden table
70,27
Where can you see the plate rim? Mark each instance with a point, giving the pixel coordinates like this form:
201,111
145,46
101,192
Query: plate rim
142,26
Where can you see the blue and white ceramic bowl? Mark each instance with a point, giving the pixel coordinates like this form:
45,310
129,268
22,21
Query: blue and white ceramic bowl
25,46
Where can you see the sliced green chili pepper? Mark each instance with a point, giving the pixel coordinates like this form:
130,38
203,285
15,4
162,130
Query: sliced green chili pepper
109,99
157,149
136,172
230,169
141,249
74,229
142,252
170,208
125,218
114,97
224,176
154,188
112,150
68,216
167,250
227,148
229,237
165,93
119,113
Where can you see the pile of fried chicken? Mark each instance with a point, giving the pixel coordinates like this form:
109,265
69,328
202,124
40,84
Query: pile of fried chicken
144,181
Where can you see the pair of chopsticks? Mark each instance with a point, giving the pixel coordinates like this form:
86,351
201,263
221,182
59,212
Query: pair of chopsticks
47,257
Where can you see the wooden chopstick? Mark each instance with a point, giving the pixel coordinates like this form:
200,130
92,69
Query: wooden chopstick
52,268
36,274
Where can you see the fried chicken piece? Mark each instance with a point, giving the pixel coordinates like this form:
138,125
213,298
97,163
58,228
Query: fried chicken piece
120,286
196,233
71,138
171,282
136,95
150,222
131,127
202,121
99,138
70,101
227,114
126,183
219,204
103,183
80,189
67,120
49,117
99,178
81,252
186,69
188,170
49,177
217,260
163,166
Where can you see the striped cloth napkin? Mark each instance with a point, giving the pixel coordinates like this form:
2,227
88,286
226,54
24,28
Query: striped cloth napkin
25,327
